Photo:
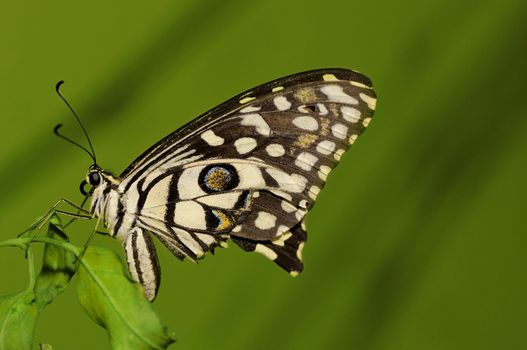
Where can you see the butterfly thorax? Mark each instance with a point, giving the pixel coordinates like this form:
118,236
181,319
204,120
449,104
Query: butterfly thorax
106,203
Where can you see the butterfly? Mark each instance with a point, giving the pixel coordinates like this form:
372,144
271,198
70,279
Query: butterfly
248,170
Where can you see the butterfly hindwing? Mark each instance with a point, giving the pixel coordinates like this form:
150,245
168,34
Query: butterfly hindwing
251,168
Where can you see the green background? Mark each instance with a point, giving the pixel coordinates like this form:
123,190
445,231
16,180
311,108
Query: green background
419,239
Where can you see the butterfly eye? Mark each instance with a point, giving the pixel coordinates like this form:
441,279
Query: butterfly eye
94,178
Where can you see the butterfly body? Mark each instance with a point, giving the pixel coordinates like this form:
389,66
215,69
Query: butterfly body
249,170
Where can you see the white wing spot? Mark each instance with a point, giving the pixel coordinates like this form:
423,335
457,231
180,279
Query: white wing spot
305,161
287,207
250,109
289,183
303,204
335,93
306,123
258,122
323,110
265,221
245,145
300,213
275,150
339,130
350,114
281,103
370,101
326,147
211,138
265,251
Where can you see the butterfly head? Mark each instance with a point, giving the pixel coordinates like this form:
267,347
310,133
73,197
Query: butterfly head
96,178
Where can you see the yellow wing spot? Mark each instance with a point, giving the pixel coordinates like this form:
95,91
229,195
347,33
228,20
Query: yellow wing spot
225,221
306,95
366,122
329,77
293,273
305,140
361,85
324,126
299,251
277,88
247,99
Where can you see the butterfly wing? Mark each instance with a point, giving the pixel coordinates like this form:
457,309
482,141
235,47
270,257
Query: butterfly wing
251,168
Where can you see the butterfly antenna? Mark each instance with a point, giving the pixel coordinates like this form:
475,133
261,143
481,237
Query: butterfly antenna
57,127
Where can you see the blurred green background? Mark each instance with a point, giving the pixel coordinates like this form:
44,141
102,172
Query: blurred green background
418,240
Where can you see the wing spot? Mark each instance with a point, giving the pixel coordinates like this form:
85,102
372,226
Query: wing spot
352,139
299,251
305,161
306,123
247,99
306,95
250,109
323,172
313,192
339,154
350,114
339,130
283,235
329,77
218,177
245,145
322,109
326,147
277,88
265,220
211,138
305,140
366,122
275,150
265,251
370,101
335,93
256,120
281,103
357,84
287,207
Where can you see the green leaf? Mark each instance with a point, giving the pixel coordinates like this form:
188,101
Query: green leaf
18,314
118,304
58,266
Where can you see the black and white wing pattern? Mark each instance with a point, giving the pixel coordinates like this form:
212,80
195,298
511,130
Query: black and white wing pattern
249,170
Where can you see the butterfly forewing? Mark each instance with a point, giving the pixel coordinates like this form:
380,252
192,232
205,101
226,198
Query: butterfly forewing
251,168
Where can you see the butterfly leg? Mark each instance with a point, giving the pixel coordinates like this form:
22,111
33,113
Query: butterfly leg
53,210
